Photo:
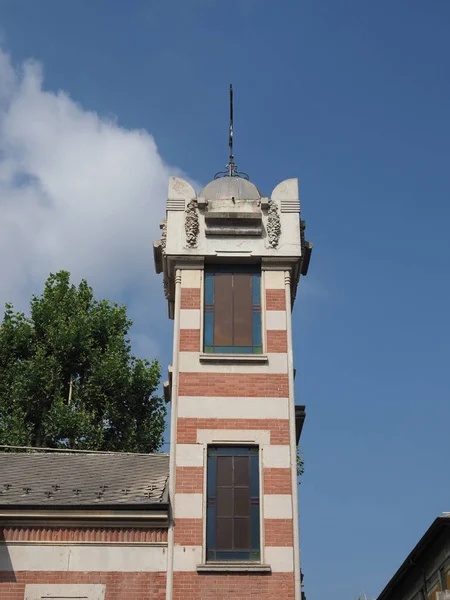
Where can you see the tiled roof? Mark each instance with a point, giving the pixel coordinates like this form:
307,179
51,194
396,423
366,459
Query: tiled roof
74,479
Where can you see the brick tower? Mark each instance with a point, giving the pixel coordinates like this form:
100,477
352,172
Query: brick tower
231,261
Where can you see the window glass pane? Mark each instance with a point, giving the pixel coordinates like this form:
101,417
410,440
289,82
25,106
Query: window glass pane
241,534
255,537
225,502
209,288
241,502
209,328
224,533
256,320
233,349
211,476
224,470
242,309
233,450
233,556
256,289
254,477
223,309
241,470
211,527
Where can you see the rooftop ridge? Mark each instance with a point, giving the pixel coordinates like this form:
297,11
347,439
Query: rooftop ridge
76,451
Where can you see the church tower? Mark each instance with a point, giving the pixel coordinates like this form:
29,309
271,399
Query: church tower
231,261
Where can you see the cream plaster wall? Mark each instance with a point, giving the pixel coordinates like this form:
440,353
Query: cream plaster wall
232,408
186,558
223,436
277,506
188,506
280,558
81,557
190,318
79,591
189,362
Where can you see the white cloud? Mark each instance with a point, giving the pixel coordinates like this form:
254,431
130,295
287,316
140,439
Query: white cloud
77,192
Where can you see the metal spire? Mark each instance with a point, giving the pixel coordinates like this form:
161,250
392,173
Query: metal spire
231,168
231,165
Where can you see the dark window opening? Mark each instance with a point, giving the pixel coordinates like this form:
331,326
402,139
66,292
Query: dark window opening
232,310
232,520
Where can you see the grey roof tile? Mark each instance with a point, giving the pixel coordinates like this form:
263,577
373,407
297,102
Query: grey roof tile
77,479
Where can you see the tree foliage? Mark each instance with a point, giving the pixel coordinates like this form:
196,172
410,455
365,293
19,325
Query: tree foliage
68,378
300,464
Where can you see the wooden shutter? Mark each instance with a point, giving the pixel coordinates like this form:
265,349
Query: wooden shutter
232,318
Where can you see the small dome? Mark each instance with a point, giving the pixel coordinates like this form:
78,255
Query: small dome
230,187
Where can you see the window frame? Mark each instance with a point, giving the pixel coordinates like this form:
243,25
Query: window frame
254,449
257,348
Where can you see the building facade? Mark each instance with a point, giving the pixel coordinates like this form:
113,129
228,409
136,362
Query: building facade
231,261
425,573
218,517
84,525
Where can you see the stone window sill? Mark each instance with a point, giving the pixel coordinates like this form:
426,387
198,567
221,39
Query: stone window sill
230,567
234,358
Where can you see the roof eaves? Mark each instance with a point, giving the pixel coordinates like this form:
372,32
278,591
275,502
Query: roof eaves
414,556
300,416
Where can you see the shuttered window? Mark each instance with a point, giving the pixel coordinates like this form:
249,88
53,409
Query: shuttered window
232,310
232,525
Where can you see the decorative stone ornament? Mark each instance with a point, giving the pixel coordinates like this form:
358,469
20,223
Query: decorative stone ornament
191,224
164,236
273,224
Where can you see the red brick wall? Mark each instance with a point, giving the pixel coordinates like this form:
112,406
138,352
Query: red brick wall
188,532
189,340
250,385
83,534
187,428
189,480
228,586
277,481
190,298
278,532
275,300
119,586
276,340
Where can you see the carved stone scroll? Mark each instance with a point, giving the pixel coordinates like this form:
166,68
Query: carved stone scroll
273,225
164,237
191,224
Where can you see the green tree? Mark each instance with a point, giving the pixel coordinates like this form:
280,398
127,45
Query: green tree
300,464
68,378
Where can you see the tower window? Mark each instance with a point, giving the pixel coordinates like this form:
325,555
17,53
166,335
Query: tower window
232,519
232,310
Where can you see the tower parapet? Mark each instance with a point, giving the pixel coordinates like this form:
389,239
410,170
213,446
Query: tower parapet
230,210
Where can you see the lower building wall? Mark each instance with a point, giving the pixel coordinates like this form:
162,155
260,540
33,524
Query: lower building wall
118,585
225,586
83,562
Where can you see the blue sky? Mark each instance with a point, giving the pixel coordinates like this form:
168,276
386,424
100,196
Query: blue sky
351,97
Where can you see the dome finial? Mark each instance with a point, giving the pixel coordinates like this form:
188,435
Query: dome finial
231,168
